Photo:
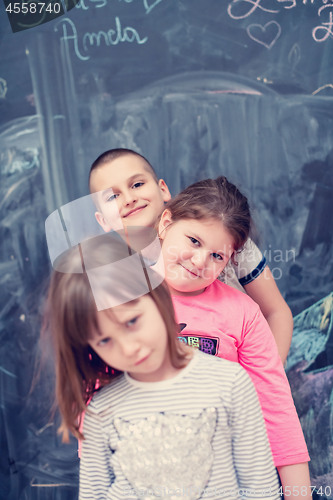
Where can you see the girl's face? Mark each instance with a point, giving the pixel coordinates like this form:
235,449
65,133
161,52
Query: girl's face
134,339
195,252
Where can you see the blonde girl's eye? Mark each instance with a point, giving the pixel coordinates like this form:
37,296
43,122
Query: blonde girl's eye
137,185
104,342
132,322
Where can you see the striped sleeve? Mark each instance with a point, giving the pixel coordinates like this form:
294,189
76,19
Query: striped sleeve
250,263
96,475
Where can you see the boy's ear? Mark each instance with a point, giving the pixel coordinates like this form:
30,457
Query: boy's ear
102,222
165,221
164,189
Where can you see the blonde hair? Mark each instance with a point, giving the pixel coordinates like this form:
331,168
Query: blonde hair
71,316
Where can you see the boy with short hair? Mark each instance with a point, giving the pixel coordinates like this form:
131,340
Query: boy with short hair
128,178
128,193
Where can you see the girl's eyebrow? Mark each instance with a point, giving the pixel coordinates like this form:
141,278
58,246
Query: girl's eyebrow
95,335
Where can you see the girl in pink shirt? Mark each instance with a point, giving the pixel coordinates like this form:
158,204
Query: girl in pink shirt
203,228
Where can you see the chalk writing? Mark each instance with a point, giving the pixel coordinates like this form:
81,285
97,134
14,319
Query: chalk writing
148,5
3,88
291,2
323,87
294,55
268,34
10,374
264,79
325,30
84,5
17,161
111,37
265,35
246,7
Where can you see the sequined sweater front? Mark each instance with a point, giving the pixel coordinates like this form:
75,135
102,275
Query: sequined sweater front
198,435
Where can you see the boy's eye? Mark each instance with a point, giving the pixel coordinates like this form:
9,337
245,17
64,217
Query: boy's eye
137,185
112,197
194,241
217,256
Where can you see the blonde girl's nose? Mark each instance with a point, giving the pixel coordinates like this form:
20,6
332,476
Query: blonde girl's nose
129,347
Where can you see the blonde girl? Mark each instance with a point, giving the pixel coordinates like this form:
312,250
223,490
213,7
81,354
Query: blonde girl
167,420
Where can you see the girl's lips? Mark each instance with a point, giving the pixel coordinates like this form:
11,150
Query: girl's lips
190,272
134,211
141,360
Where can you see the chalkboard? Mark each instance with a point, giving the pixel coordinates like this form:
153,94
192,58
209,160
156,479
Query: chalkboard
199,87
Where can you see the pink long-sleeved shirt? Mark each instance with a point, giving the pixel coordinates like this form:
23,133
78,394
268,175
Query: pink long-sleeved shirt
227,323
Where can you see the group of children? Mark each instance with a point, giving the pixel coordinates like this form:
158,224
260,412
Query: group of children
164,419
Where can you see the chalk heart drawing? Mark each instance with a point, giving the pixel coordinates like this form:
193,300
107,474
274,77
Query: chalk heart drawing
265,35
3,88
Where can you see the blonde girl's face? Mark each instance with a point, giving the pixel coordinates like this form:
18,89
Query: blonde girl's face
133,338
195,252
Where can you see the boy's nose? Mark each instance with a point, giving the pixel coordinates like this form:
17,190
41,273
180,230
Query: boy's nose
129,197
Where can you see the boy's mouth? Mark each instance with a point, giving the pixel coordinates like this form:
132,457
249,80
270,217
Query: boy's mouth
134,211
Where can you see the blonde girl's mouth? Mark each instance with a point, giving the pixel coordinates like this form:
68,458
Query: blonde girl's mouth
142,360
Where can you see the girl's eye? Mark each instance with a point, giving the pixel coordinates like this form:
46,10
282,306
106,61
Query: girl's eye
103,342
112,197
132,322
194,241
137,185
217,256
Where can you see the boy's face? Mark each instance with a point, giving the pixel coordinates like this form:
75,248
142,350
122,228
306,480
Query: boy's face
127,194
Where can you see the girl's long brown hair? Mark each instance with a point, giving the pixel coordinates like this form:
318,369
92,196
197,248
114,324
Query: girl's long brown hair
71,316
217,199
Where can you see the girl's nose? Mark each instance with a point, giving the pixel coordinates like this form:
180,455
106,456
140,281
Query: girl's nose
129,347
199,259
